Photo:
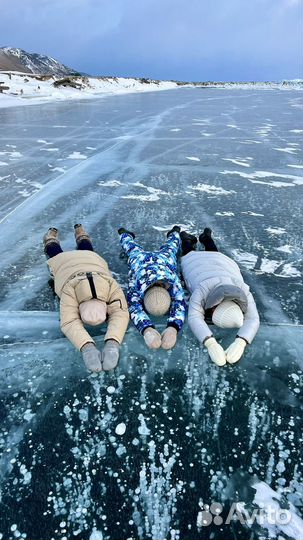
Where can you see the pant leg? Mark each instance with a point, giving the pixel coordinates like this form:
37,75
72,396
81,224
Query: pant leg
209,244
53,249
85,244
172,245
129,246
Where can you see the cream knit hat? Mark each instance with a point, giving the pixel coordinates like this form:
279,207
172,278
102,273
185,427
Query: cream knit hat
157,300
228,315
93,312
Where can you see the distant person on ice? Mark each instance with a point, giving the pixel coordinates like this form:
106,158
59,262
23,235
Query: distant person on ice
218,294
154,288
88,295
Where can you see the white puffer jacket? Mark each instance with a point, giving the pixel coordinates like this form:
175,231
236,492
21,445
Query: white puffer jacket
203,271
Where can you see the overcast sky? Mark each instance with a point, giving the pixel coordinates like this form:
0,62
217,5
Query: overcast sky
163,39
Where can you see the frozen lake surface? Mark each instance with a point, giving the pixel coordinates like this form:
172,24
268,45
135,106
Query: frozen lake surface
139,453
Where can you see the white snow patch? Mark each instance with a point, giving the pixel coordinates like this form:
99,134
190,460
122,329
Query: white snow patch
284,249
212,190
110,183
248,260
237,162
176,129
150,189
143,198
269,266
249,213
58,169
286,150
154,193
297,180
228,214
296,130
296,166
76,155
273,184
193,158
290,271
15,155
2,163
275,230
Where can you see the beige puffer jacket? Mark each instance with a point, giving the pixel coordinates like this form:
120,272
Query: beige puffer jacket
72,286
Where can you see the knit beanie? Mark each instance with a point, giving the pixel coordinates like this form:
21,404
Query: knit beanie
157,300
93,312
228,315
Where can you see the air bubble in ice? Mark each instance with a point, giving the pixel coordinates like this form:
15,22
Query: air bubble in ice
120,429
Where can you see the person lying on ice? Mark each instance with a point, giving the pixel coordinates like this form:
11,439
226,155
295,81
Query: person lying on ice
218,293
154,288
88,295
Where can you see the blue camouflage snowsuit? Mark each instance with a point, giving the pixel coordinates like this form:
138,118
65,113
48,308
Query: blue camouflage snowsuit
146,268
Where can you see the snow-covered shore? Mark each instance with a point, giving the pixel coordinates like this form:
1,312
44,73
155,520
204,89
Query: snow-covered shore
27,89
24,89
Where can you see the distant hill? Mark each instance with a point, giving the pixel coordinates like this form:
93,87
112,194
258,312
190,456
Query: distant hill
12,59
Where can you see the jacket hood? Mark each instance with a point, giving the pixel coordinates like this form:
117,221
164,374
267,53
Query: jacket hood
226,292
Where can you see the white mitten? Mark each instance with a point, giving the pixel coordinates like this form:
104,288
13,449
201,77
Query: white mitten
110,354
152,338
235,350
215,351
91,357
169,338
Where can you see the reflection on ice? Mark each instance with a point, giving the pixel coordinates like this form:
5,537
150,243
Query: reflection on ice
120,455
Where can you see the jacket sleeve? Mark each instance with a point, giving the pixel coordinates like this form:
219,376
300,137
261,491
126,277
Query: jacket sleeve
196,315
137,313
70,322
251,321
118,316
178,306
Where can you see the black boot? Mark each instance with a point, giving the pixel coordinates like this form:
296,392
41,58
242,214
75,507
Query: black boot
175,228
187,236
206,239
189,242
206,234
125,231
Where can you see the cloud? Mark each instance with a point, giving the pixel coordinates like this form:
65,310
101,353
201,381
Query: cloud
70,24
185,39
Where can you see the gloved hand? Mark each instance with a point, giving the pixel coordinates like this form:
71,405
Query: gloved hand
91,357
152,338
110,355
235,350
169,338
175,228
215,351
